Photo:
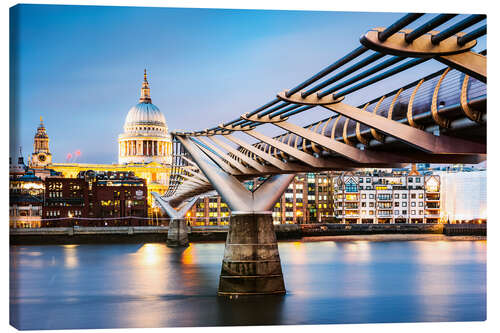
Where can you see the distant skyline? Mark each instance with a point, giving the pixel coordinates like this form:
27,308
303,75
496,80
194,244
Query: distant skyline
81,67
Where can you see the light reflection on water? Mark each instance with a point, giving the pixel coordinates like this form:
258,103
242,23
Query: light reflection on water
151,285
70,256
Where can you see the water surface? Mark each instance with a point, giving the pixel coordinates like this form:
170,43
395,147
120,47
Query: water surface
335,280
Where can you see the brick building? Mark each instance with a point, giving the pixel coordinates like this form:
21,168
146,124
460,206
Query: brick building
92,196
66,197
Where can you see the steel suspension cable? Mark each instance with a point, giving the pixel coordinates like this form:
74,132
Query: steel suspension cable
467,22
339,63
265,113
389,62
426,27
398,25
368,60
472,35
382,76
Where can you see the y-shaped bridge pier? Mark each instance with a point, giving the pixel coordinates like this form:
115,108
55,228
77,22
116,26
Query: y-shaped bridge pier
251,263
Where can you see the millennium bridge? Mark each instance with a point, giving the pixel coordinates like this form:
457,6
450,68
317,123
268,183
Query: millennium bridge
438,118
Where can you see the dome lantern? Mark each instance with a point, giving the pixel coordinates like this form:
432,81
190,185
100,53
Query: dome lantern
145,96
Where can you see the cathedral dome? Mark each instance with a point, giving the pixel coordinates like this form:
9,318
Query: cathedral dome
145,114
145,117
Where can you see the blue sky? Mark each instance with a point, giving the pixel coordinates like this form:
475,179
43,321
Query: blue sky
80,67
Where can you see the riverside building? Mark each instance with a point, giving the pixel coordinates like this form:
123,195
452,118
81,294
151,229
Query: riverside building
374,196
463,196
26,190
25,197
378,196
308,199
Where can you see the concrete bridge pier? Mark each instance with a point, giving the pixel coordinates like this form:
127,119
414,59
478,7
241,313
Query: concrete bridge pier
177,233
251,263
177,229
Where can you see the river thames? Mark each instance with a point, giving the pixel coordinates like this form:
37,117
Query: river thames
370,279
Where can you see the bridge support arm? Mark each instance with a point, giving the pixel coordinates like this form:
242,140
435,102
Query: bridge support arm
177,229
420,139
266,196
234,193
470,63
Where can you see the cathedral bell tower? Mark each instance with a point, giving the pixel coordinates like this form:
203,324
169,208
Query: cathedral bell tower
41,156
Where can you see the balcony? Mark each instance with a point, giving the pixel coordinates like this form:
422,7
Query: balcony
351,197
385,215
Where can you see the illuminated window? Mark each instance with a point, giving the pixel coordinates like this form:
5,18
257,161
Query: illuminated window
432,185
351,186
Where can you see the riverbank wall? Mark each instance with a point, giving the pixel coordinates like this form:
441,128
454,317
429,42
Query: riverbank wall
101,235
